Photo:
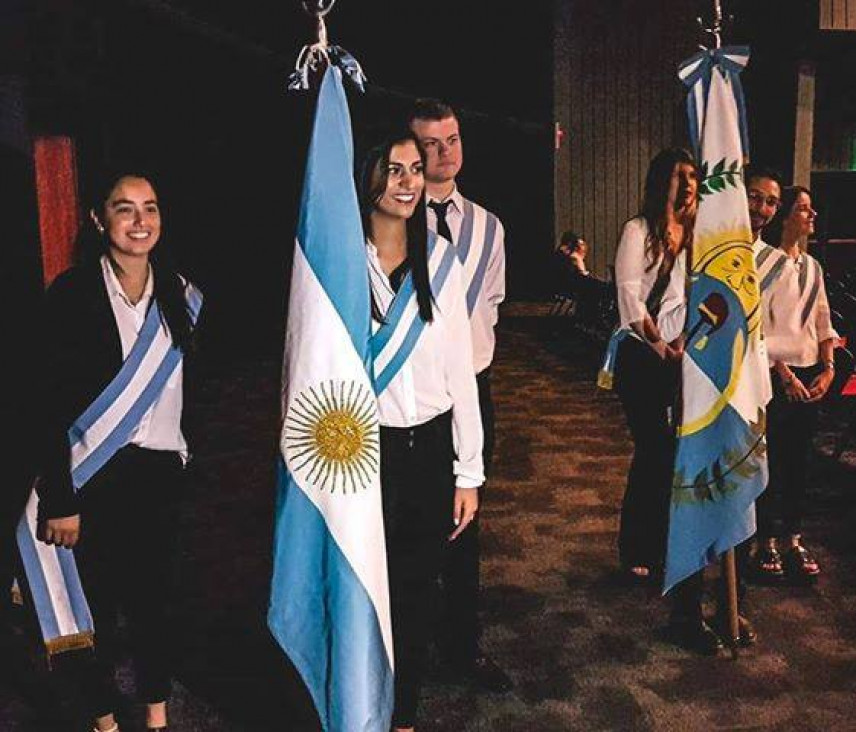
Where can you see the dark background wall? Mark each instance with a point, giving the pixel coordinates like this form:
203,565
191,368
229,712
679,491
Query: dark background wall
195,92
619,100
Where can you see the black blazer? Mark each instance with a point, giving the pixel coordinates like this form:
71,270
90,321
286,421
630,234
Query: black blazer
81,352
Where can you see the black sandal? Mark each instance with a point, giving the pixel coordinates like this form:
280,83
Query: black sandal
800,564
768,564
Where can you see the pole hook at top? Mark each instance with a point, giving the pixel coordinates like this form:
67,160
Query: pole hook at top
318,9
321,54
716,25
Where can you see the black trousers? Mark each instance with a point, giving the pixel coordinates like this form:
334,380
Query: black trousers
418,485
790,428
460,631
126,556
646,387
13,500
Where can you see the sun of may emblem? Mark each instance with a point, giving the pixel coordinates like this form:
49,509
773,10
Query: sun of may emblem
331,436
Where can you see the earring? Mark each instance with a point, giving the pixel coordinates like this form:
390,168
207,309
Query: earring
99,228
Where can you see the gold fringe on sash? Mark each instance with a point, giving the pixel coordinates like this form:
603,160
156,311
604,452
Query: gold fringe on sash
73,642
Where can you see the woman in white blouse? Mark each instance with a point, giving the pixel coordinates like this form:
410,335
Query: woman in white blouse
123,518
431,435
650,274
800,341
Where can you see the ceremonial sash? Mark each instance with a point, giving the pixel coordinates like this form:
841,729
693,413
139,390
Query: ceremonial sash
475,270
394,341
103,429
815,287
606,375
769,267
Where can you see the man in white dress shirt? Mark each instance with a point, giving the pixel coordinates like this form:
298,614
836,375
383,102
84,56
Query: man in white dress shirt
478,237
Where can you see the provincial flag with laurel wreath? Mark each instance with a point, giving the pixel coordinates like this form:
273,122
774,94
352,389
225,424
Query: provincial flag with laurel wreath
721,462
329,606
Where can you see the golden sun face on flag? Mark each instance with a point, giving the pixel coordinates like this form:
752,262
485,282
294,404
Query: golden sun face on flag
331,436
726,255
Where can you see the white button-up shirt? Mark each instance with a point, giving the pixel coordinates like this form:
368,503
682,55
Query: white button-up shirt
794,327
438,375
486,311
635,277
160,427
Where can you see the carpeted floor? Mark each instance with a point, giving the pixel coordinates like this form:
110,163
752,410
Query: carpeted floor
584,650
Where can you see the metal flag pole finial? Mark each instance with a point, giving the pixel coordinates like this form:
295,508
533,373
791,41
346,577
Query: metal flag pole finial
318,9
716,25
317,56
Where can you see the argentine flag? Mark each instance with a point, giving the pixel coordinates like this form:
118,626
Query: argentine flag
329,606
721,461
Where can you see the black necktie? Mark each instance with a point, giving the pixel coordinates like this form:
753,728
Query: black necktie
442,225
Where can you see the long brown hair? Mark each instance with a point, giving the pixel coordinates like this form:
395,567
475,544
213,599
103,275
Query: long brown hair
656,197
371,190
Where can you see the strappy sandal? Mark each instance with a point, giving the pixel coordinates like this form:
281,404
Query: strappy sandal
768,563
800,564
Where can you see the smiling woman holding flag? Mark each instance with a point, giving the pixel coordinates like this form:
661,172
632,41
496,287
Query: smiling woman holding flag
117,327
430,433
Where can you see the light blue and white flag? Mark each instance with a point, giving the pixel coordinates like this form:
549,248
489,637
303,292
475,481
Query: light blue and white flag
329,606
721,464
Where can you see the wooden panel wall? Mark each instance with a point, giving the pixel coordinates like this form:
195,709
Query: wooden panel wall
834,142
619,101
838,15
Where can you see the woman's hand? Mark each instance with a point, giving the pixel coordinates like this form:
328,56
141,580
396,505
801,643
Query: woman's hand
820,385
466,505
675,350
795,390
63,531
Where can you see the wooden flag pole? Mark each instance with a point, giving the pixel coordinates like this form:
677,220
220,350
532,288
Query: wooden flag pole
729,567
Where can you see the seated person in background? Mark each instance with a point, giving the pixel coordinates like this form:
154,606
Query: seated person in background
587,289
573,249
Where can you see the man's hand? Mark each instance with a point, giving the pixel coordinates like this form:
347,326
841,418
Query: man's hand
466,505
63,531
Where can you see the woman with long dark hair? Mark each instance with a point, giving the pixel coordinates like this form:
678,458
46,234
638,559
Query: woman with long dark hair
650,274
800,341
431,435
117,328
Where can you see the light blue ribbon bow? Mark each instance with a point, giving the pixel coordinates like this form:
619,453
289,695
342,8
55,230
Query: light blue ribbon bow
730,61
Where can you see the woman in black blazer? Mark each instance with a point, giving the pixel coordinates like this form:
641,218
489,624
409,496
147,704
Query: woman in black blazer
121,519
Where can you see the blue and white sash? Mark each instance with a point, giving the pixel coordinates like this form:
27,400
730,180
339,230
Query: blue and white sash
394,341
606,375
475,259
810,277
64,616
105,427
770,263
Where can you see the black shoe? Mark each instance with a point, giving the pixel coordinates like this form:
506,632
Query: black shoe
747,635
484,674
696,636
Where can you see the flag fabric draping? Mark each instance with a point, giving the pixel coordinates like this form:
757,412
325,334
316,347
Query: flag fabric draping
329,605
720,465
